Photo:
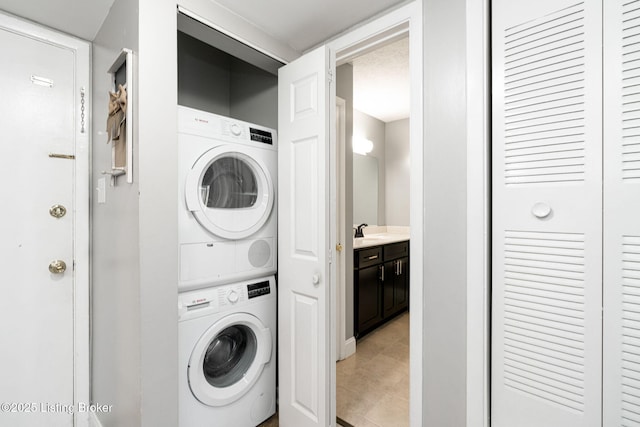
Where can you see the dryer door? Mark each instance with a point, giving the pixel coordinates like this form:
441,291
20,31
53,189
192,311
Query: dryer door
228,359
230,192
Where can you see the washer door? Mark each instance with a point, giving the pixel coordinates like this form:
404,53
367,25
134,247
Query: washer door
230,192
228,359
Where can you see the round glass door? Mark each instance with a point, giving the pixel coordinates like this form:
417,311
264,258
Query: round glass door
229,356
229,183
229,192
228,359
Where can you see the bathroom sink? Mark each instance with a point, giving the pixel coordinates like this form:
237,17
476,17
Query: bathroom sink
376,239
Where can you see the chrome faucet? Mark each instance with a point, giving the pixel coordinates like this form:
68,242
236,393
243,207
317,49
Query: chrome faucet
359,230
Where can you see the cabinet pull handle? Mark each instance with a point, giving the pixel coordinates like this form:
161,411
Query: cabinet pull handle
382,273
373,257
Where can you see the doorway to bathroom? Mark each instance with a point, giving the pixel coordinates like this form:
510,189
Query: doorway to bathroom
374,171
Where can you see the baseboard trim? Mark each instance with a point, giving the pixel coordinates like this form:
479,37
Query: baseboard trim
349,347
343,423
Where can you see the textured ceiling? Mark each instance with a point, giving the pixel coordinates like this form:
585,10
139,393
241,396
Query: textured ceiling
381,82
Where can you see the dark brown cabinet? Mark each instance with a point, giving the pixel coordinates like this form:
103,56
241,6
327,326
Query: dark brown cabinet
381,285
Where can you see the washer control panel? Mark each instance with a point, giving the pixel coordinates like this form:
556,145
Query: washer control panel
216,299
259,289
260,135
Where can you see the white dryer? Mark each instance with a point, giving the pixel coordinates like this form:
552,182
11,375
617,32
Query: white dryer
227,220
227,347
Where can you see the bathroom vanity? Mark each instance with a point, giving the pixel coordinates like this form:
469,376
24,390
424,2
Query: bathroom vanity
381,281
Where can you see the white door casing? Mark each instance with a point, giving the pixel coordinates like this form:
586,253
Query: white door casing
45,315
344,347
306,349
547,204
621,346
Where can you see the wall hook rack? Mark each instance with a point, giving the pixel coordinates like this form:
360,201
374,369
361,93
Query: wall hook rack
122,86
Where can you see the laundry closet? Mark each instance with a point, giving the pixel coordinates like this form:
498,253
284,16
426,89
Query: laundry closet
227,228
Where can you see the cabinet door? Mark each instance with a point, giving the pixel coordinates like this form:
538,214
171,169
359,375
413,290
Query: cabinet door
547,213
368,298
388,288
401,285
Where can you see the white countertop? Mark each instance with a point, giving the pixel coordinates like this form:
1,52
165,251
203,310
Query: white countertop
381,236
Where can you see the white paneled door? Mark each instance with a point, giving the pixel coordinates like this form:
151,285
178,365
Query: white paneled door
306,361
547,213
36,228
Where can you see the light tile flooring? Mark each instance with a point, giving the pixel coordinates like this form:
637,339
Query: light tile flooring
372,387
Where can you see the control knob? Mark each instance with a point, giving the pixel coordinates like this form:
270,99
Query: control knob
232,296
235,129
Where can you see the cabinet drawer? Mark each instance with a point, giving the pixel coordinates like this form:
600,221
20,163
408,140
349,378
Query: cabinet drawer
369,256
396,250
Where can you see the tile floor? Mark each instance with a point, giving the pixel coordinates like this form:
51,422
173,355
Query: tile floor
372,387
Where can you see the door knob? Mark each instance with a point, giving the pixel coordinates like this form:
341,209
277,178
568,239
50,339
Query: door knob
541,210
315,279
57,211
57,267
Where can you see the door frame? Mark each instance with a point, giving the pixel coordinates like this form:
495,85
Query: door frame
393,25
82,53
344,347
478,263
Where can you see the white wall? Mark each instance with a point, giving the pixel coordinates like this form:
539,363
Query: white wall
115,234
134,232
158,212
397,173
115,257
445,223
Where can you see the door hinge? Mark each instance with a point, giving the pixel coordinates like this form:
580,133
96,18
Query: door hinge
330,75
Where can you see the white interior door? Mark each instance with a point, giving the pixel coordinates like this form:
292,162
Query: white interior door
547,213
306,349
36,305
621,213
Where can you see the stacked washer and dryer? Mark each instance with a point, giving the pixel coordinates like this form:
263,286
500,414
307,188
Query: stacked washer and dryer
227,300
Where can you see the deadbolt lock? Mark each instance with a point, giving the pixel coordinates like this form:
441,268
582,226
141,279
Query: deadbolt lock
57,267
57,211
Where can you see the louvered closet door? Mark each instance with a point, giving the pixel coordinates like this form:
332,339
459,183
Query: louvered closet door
547,213
622,213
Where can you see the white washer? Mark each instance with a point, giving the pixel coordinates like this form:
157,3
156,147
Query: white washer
227,347
227,220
